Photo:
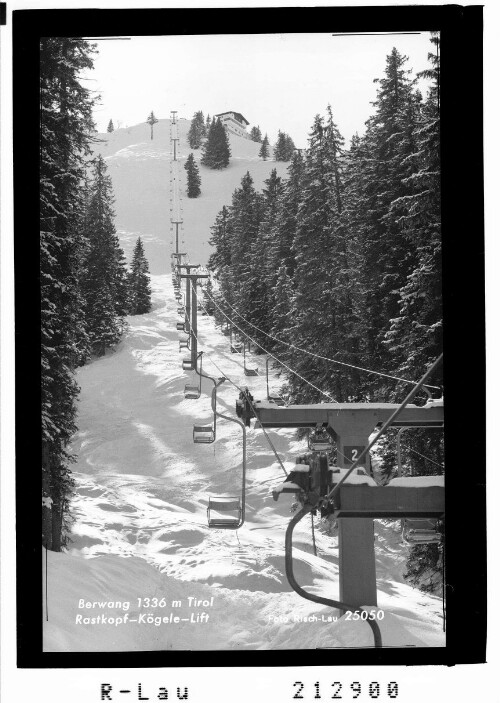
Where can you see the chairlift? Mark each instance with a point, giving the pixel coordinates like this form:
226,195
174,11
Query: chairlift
183,344
272,397
421,531
249,371
319,440
227,513
191,392
224,513
203,434
180,326
187,364
235,345
180,311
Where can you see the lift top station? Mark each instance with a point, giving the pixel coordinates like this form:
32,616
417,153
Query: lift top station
358,501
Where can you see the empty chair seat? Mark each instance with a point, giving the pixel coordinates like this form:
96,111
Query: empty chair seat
319,440
421,531
183,344
251,372
237,348
187,364
203,434
275,398
224,513
180,326
319,445
191,392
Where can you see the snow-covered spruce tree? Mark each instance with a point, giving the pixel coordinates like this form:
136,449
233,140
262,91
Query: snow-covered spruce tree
208,297
105,283
283,233
259,277
256,134
111,127
65,134
220,239
264,149
197,130
318,221
151,122
415,334
193,177
284,147
216,151
139,282
378,174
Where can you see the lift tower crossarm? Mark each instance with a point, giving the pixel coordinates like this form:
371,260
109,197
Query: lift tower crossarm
334,414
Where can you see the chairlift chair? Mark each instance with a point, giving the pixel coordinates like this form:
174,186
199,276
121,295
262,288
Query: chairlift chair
183,344
180,326
187,364
180,311
421,531
319,440
203,434
191,392
224,513
276,399
249,371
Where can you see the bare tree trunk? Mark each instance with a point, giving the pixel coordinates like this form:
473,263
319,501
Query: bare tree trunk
46,510
56,526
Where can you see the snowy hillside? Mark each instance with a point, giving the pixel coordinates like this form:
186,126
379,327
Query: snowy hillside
139,168
142,486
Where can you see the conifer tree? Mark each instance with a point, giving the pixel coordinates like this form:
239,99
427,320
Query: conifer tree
283,233
139,282
111,127
256,134
105,283
216,151
264,149
65,134
152,121
284,147
221,241
318,220
197,130
193,177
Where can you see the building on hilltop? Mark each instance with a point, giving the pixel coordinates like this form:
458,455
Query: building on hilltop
234,122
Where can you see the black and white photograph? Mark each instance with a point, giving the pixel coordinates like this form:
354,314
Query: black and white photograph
247,308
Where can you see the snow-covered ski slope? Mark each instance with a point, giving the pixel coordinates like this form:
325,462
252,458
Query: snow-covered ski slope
140,169
142,485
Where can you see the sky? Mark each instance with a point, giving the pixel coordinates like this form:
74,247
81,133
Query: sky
276,81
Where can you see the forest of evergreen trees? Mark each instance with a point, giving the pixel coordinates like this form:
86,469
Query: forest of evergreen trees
343,259
86,290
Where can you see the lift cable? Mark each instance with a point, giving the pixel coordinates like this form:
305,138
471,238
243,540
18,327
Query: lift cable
241,391
262,428
325,358
405,446
244,393
282,363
